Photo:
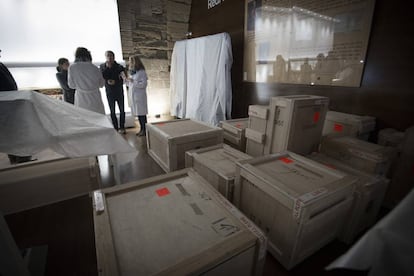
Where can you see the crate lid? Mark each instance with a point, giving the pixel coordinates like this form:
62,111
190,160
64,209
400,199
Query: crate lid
176,128
362,123
175,220
220,159
289,177
236,123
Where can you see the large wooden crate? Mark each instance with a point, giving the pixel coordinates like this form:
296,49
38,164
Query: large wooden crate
295,123
359,154
345,124
174,224
256,130
300,204
216,164
169,140
368,197
33,184
233,132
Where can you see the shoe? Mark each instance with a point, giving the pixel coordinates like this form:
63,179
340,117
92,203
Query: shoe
142,134
122,131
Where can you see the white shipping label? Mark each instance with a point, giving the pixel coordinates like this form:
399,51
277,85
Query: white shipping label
99,201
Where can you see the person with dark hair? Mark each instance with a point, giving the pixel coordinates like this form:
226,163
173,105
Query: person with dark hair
7,83
86,79
137,82
62,77
113,74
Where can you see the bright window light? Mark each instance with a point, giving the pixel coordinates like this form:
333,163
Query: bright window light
36,33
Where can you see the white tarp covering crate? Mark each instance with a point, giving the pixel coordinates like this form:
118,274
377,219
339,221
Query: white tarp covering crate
233,132
217,164
359,154
256,130
345,124
368,196
169,140
173,224
45,181
300,204
295,123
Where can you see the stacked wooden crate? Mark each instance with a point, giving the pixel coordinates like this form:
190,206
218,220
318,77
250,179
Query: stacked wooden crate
168,141
174,224
359,154
217,164
368,197
49,179
345,124
301,205
256,130
234,133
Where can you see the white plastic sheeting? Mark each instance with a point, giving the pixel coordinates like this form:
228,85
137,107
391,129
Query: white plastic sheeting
201,78
31,122
388,247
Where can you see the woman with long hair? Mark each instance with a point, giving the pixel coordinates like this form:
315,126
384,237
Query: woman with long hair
137,82
86,79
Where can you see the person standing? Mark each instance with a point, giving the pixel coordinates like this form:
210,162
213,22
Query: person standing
113,72
86,79
62,77
7,83
137,82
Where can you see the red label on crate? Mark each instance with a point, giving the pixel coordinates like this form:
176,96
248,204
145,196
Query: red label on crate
238,125
338,127
160,124
162,192
316,116
286,160
330,166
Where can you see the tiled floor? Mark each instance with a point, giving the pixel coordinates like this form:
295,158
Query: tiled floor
67,227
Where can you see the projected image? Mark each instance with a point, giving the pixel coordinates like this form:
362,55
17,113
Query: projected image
306,42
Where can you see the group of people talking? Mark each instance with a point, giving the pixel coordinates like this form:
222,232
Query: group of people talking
81,81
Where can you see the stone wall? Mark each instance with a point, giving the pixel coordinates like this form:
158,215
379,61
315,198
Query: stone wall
149,28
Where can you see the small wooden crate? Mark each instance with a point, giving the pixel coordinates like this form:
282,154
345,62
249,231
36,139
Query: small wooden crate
300,204
233,133
217,164
344,124
295,123
33,184
256,130
368,197
173,224
169,140
359,154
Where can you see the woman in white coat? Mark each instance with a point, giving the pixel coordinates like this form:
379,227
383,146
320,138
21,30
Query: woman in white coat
137,82
86,79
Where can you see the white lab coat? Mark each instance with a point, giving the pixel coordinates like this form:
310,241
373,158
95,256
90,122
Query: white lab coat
86,78
138,91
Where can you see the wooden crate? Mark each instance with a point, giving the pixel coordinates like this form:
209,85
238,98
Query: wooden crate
368,197
216,164
169,140
233,132
295,123
33,184
359,154
345,124
173,224
300,204
256,130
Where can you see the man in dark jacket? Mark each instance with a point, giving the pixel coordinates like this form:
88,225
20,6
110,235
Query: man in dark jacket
112,73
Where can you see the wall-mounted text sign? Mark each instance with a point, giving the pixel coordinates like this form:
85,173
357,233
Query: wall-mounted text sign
213,3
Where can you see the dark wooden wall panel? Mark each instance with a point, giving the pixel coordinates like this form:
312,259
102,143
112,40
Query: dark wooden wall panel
386,90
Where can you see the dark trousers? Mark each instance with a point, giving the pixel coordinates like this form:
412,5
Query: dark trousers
111,102
69,96
142,121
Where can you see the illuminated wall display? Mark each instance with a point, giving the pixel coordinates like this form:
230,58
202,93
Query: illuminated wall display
306,42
